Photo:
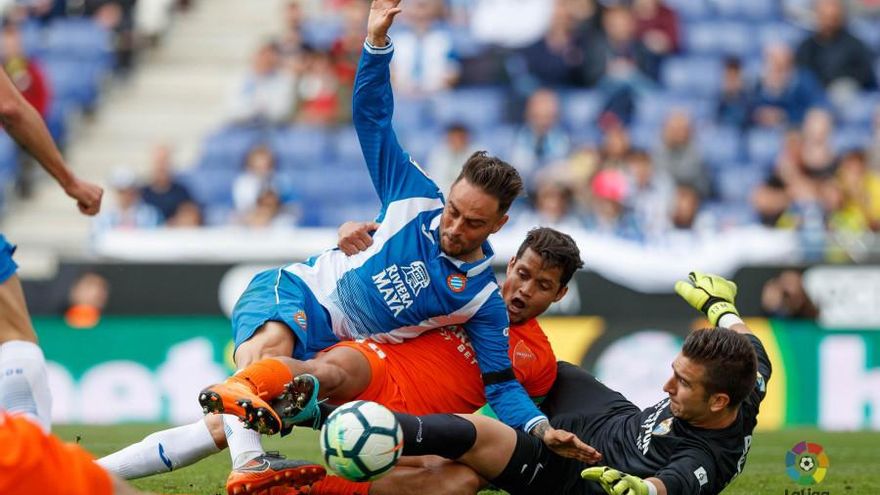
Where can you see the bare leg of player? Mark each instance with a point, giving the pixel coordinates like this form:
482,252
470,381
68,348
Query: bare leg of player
24,386
412,475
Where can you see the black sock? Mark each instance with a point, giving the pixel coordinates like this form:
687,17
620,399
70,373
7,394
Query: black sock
446,435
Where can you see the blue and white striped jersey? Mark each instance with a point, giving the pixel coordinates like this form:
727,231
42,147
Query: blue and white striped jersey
404,284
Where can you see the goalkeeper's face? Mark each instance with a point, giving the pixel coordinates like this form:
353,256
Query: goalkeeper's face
530,287
688,399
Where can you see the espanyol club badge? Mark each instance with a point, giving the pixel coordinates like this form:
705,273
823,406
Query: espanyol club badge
456,282
300,318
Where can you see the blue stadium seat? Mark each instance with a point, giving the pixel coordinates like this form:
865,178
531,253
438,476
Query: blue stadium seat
333,183
860,110
645,136
80,39
227,148
32,38
497,140
334,214
780,32
74,81
580,108
720,38
690,9
475,107
322,32
734,182
745,9
9,164
299,147
411,113
720,144
867,30
210,187
692,76
57,120
420,143
346,147
763,145
652,109
852,137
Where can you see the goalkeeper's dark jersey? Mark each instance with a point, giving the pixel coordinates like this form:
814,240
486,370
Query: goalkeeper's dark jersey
651,442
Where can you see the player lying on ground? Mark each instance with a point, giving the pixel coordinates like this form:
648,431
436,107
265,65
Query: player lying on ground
33,461
693,442
24,386
429,267
435,372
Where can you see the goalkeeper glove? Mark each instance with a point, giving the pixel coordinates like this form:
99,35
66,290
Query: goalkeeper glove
711,294
615,482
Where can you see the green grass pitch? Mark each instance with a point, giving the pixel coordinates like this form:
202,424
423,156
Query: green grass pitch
854,459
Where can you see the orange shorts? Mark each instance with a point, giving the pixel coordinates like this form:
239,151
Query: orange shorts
32,461
383,388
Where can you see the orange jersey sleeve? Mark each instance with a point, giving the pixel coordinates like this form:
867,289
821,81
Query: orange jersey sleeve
32,461
533,360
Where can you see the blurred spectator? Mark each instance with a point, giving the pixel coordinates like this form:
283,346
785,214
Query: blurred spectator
784,297
447,158
268,211
265,95
152,18
130,212
541,139
86,301
556,59
117,17
424,62
734,105
258,175
553,205
818,153
163,192
770,202
492,22
346,49
615,147
291,43
651,193
686,214
609,213
317,91
657,26
188,215
834,54
679,156
25,73
860,187
618,57
784,93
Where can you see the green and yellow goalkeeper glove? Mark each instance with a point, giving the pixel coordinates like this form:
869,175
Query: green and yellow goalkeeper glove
711,294
615,482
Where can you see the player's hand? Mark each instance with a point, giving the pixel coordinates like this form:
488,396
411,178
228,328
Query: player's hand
567,444
354,237
615,482
382,13
87,195
711,294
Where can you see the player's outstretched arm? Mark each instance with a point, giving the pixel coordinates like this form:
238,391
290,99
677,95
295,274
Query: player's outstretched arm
27,128
615,482
714,296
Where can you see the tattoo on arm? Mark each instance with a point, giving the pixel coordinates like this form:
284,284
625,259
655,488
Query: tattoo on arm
540,429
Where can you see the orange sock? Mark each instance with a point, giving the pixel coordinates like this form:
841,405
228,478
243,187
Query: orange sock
334,485
266,377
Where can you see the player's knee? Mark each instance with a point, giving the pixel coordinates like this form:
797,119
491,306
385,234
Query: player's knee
273,339
458,479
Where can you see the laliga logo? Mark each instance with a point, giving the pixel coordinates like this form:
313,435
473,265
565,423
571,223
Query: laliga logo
806,463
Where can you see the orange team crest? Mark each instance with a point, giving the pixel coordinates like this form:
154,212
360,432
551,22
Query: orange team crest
456,282
300,318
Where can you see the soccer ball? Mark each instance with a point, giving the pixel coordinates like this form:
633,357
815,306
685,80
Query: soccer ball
361,441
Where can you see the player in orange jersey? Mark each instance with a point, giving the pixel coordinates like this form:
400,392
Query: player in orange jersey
436,371
33,461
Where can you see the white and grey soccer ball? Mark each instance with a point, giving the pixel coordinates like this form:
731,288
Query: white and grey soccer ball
361,441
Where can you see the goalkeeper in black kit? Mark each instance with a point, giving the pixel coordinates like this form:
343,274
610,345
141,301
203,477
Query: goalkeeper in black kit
694,441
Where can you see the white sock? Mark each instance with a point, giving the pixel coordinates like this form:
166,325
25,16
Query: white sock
24,385
244,444
162,452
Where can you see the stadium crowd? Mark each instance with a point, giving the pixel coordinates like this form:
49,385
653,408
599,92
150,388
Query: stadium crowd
645,119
